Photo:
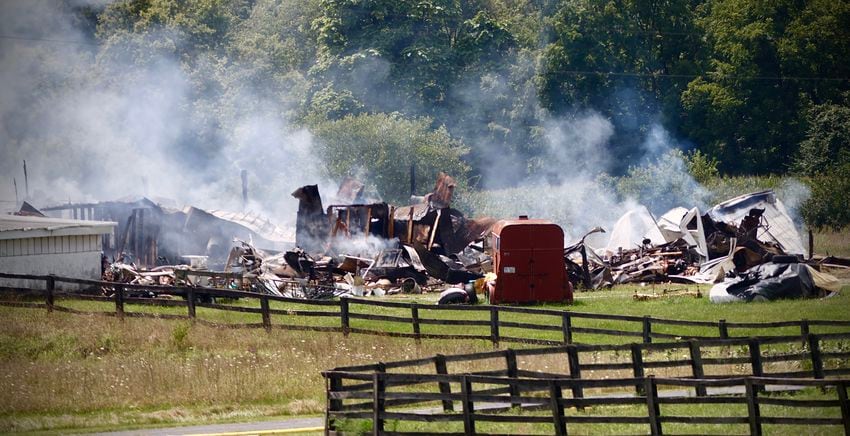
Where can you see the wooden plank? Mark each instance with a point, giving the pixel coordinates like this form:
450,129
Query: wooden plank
494,325
49,289
566,327
267,319
647,329
343,316
119,302
555,396
723,329
190,301
652,406
445,387
841,388
511,367
468,407
753,413
575,371
817,359
377,403
696,367
637,368
414,316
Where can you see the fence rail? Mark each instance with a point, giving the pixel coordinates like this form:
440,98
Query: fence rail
382,402
497,324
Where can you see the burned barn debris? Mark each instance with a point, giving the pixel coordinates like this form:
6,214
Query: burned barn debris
357,246
743,240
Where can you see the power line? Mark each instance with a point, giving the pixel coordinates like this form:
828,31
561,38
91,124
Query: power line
60,41
708,73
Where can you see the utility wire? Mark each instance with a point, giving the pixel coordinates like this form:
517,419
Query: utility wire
60,41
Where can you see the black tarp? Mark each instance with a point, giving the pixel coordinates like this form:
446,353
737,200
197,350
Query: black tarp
773,281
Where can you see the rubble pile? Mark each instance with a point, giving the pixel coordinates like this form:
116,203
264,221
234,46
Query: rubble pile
361,248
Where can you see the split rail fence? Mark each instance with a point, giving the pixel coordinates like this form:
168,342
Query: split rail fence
496,324
711,368
547,394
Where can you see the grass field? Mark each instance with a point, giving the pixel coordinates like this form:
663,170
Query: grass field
68,372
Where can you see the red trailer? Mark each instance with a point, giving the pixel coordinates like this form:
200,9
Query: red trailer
528,259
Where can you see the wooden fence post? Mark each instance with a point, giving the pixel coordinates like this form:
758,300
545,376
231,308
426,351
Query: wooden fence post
445,387
414,316
468,406
510,364
817,358
555,396
343,316
724,330
575,372
119,302
647,329
334,405
841,388
637,367
190,301
378,388
652,405
50,287
267,318
567,328
804,330
755,357
494,325
753,413
696,367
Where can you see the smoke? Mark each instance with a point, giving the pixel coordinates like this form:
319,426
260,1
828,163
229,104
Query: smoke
127,117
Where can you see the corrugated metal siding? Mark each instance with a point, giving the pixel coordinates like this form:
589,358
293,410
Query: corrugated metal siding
50,245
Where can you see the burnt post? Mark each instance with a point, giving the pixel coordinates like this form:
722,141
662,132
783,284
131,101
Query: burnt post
244,175
51,286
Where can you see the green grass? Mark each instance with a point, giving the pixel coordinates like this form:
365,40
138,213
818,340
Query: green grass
715,410
67,372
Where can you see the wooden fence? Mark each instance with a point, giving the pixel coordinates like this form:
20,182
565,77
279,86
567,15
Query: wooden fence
499,323
547,394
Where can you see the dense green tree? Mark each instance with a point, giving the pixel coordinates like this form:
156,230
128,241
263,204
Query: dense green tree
827,143
381,148
768,62
405,55
627,59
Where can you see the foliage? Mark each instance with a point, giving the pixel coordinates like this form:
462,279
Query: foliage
827,142
702,167
663,183
829,204
382,147
761,74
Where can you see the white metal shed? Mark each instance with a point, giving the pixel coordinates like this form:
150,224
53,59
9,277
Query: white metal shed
40,246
